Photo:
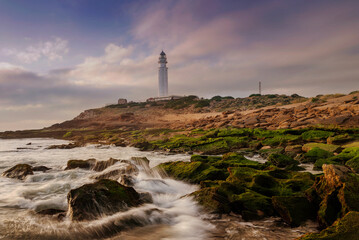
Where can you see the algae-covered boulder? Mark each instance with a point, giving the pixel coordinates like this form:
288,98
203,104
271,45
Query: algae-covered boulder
265,185
85,164
281,160
315,154
327,147
100,198
339,139
212,200
346,228
19,171
252,205
353,164
335,193
293,149
317,135
193,172
40,169
294,209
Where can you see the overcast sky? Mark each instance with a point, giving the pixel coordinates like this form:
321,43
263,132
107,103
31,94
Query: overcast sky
58,58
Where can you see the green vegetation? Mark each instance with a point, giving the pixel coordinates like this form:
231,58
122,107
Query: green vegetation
316,135
67,135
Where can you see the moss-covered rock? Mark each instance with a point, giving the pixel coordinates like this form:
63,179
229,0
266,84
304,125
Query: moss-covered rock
252,205
315,154
327,147
339,139
345,228
316,135
212,200
193,172
19,171
281,160
100,198
320,162
335,193
353,164
294,209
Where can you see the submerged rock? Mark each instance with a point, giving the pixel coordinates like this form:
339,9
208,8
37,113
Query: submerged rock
19,171
100,198
85,164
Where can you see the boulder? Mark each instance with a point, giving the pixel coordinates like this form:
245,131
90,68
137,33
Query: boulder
314,154
104,197
212,200
19,171
85,164
40,169
281,160
294,210
327,147
335,193
118,173
102,165
293,149
344,228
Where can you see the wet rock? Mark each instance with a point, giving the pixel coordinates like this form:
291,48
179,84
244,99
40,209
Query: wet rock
115,174
85,164
146,197
142,161
40,169
281,160
339,139
127,180
344,228
19,171
100,198
294,210
293,149
66,146
212,200
102,165
335,193
315,154
193,172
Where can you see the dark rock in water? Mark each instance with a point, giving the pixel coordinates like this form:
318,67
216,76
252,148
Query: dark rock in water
20,171
50,211
40,169
335,193
294,210
146,197
142,161
102,165
127,180
28,143
100,198
66,146
345,228
85,164
117,173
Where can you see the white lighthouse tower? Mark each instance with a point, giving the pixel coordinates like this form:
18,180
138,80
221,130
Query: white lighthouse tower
162,76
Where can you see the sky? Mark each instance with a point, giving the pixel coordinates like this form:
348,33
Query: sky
60,57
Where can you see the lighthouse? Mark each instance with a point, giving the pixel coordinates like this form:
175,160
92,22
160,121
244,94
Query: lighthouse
162,76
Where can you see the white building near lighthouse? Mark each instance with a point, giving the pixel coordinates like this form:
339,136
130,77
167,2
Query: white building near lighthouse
162,76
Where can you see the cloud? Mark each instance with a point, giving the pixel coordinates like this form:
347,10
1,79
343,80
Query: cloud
52,50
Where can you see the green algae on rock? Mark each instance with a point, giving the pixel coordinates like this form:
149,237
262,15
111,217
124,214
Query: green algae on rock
344,228
100,198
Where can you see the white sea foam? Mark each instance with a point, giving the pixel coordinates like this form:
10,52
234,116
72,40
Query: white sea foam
19,199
